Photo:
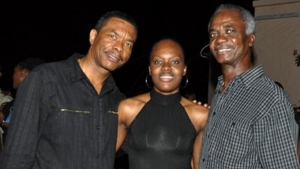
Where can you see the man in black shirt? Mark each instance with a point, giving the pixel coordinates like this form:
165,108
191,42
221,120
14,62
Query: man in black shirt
65,113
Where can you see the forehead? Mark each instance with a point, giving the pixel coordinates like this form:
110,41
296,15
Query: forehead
119,25
167,47
232,16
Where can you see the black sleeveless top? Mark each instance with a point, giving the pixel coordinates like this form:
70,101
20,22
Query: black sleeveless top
162,135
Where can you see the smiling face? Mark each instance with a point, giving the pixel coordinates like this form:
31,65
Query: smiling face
228,41
111,47
167,66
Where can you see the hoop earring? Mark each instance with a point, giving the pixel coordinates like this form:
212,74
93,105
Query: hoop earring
146,81
186,82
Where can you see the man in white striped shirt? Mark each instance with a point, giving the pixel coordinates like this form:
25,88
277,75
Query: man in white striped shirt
251,122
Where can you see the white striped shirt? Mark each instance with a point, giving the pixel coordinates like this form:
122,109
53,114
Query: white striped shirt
251,125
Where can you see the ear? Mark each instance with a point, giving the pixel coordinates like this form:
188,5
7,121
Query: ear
93,35
251,40
184,70
149,69
25,72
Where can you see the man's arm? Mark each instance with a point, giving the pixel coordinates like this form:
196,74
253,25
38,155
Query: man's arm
276,137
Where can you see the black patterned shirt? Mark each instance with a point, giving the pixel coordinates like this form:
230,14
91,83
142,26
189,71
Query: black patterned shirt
60,122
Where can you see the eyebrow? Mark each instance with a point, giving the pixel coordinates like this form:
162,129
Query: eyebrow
211,30
115,32
228,26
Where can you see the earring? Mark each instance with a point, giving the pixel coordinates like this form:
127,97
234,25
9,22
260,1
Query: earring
146,81
186,82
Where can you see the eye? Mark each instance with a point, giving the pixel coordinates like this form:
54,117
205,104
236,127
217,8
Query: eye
128,44
113,36
157,62
213,34
175,62
230,30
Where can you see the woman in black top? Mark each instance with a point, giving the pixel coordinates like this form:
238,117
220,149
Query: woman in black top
163,128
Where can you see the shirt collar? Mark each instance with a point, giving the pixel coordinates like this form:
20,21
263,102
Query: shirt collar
247,78
76,74
75,71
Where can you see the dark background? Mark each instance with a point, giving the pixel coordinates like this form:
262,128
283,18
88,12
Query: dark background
55,30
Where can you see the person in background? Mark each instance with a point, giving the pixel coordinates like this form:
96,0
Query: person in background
21,70
279,84
4,99
163,129
65,112
251,122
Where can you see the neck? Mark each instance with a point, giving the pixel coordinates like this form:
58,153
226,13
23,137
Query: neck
229,72
95,76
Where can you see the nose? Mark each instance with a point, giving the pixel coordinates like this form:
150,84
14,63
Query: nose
221,38
118,46
166,67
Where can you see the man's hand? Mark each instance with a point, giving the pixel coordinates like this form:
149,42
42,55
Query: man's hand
204,105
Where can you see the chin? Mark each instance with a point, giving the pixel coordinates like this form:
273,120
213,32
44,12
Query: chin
168,90
112,68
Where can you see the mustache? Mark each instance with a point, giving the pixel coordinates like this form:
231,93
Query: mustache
116,55
223,46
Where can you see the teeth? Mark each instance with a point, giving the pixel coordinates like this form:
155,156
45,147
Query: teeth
115,58
166,77
223,50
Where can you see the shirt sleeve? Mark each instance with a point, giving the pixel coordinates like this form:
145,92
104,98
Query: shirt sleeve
276,137
22,138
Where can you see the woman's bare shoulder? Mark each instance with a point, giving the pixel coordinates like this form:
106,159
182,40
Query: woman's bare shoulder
135,100
197,113
190,105
133,104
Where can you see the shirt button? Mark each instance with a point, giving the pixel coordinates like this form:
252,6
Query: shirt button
214,113
203,159
98,127
98,156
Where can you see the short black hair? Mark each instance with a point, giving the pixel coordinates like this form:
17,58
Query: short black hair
30,63
115,14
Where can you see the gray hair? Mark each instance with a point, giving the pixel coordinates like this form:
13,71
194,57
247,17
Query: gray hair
245,14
